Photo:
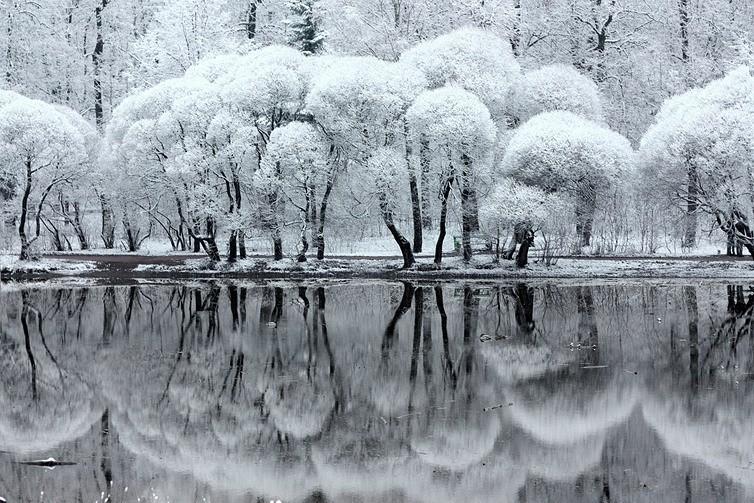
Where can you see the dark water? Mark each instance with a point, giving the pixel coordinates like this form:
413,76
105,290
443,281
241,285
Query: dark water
217,391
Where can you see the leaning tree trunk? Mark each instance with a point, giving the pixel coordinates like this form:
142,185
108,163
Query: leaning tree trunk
403,244
25,246
443,220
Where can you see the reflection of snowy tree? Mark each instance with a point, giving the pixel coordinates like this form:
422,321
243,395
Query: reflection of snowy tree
44,399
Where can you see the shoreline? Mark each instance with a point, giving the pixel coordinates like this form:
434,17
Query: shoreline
481,268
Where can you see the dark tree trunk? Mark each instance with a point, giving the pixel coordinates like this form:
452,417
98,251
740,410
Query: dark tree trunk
321,219
443,220
585,210
99,47
416,212
522,259
241,245
233,246
78,228
692,205
277,245
25,246
403,244
251,20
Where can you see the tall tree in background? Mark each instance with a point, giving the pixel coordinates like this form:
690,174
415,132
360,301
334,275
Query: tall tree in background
306,34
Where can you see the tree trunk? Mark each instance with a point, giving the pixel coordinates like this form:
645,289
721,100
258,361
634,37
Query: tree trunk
522,259
78,228
277,244
241,245
416,211
108,223
443,220
99,47
25,252
233,246
689,238
585,210
321,221
426,200
467,219
403,244
251,20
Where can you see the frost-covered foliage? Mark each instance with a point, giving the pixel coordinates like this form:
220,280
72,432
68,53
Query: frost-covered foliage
360,101
701,147
553,88
512,203
471,58
385,171
455,121
560,151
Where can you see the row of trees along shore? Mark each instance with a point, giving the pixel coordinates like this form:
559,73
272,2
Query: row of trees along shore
451,133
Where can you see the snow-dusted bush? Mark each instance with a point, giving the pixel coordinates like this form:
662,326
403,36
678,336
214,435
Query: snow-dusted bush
555,88
562,152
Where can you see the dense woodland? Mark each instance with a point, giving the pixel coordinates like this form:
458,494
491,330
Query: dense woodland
586,126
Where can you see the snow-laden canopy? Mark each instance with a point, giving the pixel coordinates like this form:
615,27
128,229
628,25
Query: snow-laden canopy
511,203
560,151
453,120
43,135
359,100
555,88
471,58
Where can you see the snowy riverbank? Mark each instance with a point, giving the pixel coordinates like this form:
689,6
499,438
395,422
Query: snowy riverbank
481,267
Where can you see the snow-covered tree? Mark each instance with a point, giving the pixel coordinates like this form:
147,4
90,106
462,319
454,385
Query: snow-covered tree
552,88
361,104
459,129
471,58
700,153
304,25
385,172
297,168
42,148
562,152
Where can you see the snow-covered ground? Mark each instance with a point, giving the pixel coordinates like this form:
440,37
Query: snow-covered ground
10,265
480,267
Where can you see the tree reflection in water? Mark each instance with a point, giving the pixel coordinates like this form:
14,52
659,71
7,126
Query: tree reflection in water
378,392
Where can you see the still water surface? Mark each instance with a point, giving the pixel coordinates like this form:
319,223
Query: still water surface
230,391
